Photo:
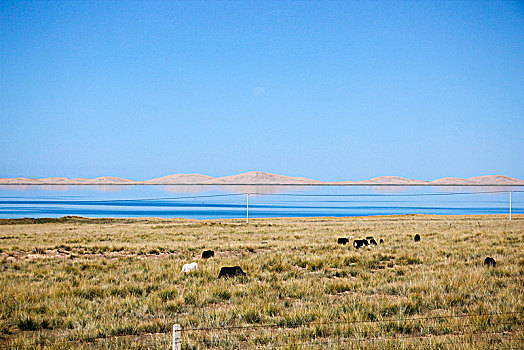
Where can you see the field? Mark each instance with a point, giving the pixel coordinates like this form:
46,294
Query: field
76,283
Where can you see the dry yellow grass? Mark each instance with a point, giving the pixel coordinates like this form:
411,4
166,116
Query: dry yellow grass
65,282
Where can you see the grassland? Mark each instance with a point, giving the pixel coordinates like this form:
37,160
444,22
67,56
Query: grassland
77,283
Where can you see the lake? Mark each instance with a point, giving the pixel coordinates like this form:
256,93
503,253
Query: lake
229,201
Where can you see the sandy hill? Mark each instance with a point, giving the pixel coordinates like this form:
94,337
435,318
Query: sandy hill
55,179
261,178
63,181
494,180
111,180
181,179
105,180
391,180
491,180
449,181
19,181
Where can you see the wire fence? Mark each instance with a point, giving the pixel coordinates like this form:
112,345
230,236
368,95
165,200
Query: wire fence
496,330
466,328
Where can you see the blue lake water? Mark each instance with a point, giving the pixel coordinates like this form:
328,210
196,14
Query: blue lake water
220,202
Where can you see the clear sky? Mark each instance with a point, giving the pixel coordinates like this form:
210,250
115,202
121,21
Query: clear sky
327,90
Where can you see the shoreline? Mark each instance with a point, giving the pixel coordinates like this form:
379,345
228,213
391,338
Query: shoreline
76,218
255,184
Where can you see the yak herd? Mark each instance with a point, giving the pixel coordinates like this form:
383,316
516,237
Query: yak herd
226,271
232,271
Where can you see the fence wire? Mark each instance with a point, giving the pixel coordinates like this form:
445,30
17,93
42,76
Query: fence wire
286,337
234,337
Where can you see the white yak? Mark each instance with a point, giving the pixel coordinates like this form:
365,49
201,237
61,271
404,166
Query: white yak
189,267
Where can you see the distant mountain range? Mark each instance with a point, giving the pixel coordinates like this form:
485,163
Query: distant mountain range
260,178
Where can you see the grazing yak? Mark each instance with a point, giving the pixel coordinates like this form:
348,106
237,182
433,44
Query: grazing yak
231,271
189,267
342,240
372,241
206,254
489,261
417,238
358,243
381,241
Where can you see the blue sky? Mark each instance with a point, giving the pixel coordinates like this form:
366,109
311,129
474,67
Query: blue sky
327,90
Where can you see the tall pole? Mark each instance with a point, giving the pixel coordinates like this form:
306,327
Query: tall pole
510,206
247,208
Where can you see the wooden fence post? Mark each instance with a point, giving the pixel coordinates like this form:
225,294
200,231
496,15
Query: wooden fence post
177,338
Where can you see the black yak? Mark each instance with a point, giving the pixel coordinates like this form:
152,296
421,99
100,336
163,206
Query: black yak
207,254
358,243
231,271
489,261
342,240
